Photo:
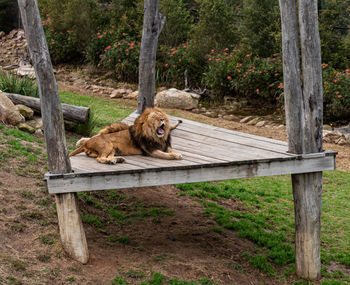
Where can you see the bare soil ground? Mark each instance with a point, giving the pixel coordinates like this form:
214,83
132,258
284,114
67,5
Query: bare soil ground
180,243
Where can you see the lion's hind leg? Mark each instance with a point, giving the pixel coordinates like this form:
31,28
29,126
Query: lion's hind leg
108,156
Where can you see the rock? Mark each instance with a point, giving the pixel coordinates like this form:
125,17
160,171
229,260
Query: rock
211,114
196,111
341,141
12,34
26,71
331,137
2,33
230,118
253,121
25,111
261,124
327,128
246,119
173,98
39,133
8,111
119,93
132,95
280,127
202,110
26,128
36,123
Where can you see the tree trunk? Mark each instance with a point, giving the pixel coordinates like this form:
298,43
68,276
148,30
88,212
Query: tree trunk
153,23
291,76
71,229
72,113
304,126
312,76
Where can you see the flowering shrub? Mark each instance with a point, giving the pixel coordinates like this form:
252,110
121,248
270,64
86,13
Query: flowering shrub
244,75
98,42
336,94
123,57
172,64
64,46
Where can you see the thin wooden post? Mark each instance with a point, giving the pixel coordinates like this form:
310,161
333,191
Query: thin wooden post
71,229
304,126
153,22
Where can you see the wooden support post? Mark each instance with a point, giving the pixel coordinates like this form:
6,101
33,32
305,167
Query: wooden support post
71,229
153,22
304,114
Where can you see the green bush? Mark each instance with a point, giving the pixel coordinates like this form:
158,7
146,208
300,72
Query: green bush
96,46
66,32
260,30
123,57
335,43
336,94
244,75
172,64
178,23
11,83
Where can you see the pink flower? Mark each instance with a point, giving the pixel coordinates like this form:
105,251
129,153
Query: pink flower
124,34
166,65
100,37
229,77
339,96
277,98
257,91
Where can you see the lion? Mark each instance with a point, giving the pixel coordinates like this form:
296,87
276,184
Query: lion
149,135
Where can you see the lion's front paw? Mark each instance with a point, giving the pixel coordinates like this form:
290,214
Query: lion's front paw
177,156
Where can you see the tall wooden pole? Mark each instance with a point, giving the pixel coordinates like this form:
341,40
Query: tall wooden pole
153,22
71,228
304,126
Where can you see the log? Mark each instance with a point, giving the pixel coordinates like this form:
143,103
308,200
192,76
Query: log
304,114
153,22
72,113
71,229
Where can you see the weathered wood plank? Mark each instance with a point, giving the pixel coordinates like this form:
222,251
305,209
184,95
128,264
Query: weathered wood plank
71,228
174,119
164,176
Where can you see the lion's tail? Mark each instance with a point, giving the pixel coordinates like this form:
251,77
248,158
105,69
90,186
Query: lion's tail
116,127
78,150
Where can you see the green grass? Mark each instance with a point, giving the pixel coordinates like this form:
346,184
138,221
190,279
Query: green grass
103,111
267,215
12,83
156,278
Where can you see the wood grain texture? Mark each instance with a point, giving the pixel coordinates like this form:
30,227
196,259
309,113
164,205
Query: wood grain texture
72,113
304,113
183,174
153,22
71,229
293,100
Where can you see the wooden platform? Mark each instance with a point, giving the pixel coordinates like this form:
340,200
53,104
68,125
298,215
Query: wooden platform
209,153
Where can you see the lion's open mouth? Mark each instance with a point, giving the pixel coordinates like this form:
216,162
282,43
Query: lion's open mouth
160,131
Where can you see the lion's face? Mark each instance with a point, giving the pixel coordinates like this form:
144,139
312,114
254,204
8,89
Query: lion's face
154,124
